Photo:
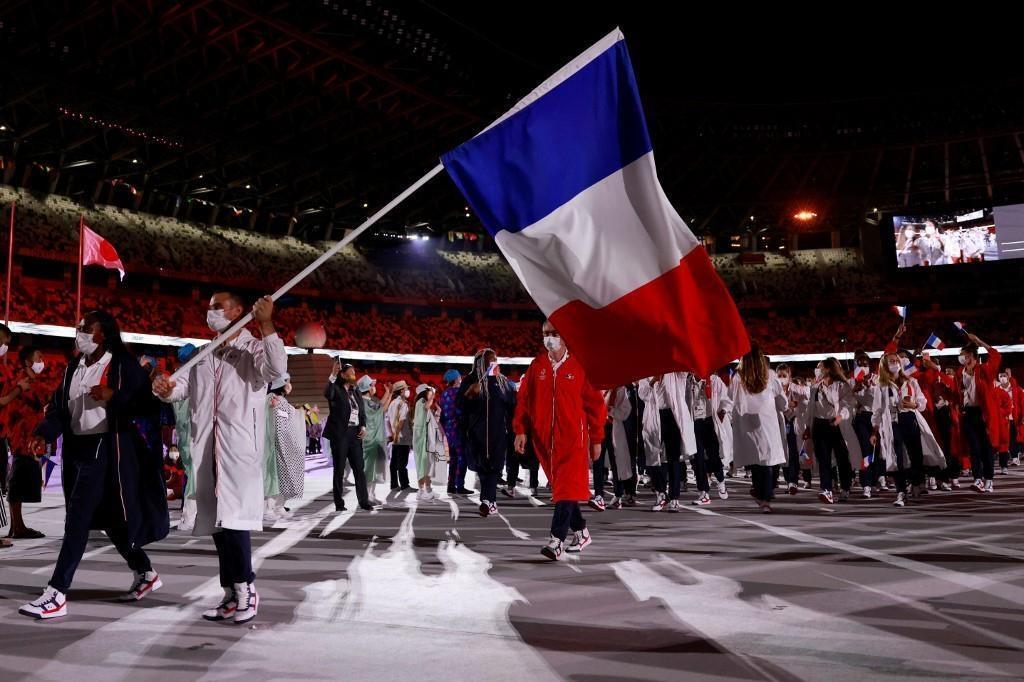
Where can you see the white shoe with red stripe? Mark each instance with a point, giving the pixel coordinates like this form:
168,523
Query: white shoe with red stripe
580,541
144,584
248,601
52,603
226,609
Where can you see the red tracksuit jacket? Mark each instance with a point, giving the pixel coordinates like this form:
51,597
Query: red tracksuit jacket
563,415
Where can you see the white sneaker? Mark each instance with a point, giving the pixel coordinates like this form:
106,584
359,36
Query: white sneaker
866,492
580,541
978,486
52,603
945,486
144,584
597,502
883,485
226,609
674,506
901,500
248,602
825,496
804,485
1015,461
723,492
616,503
660,502
702,500
792,488
1004,471
988,486
552,550
955,484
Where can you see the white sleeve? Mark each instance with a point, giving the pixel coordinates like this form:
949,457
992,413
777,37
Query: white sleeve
270,358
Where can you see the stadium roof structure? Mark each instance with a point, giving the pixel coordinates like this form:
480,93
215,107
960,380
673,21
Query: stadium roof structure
298,116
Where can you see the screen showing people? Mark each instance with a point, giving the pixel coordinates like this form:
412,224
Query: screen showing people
946,239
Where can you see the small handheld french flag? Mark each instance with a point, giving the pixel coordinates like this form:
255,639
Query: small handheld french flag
961,328
934,342
901,310
908,367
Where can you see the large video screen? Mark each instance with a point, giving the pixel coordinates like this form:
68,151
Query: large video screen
977,235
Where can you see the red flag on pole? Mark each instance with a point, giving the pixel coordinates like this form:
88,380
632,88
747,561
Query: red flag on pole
98,251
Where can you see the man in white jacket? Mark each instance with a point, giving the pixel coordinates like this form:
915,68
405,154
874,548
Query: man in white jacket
227,392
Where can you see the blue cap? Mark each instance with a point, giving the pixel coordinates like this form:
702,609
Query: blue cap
185,352
451,376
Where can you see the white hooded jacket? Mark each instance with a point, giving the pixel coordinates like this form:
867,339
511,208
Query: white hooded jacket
227,392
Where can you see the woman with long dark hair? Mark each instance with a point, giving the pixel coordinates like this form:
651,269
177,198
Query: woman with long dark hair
758,433
899,428
112,481
831,399
488,404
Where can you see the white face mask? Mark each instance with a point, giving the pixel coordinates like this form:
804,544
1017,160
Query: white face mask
1004,380
908,233
405,394
217,320
818,373
553,343
894,367
784,380
85,344
173,455
963,359
3,349
37,367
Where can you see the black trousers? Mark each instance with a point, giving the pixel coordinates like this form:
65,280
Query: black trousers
944,434
792,470
870,474
234,554
829,442
399,466
95,476
512,466
906,440
763,480
709,454
348,448
675,470
567,517
976,434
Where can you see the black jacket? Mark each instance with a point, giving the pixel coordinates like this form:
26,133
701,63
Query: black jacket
337,399
137,499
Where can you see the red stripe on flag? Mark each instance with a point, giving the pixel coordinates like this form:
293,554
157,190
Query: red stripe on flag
683,320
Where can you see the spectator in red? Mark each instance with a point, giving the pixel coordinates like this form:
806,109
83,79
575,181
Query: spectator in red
554,402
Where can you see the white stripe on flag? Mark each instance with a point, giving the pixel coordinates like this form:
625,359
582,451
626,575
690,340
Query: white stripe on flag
608,240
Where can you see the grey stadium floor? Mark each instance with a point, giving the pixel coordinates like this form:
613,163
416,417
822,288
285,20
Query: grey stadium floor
852,591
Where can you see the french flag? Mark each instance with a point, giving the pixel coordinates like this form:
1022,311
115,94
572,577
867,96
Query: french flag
900,310
565,182
934,342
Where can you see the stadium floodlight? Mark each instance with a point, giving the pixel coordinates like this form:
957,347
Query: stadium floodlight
805,215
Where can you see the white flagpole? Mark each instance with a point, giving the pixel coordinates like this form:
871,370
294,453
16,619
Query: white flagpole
245,319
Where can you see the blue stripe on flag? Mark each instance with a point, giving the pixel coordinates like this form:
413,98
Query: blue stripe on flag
582,131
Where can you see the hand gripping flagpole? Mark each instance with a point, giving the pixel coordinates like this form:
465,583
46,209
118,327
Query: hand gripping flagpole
345,241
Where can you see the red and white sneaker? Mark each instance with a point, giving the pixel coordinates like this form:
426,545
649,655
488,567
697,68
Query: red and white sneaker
597,502
580,541
52,603
226,609
248,602
825,496
978,486
702,500
661,501
552,550
144,584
